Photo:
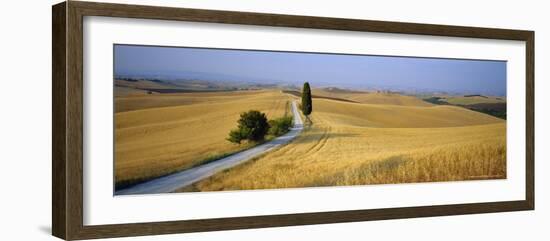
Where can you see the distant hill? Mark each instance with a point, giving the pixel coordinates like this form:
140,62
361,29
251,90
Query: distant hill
363,97
473,99
343,91
169,85
371,97
491,105
128,86
299,94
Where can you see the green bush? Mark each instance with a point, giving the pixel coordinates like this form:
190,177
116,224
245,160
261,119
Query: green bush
236,136
280,126
252,126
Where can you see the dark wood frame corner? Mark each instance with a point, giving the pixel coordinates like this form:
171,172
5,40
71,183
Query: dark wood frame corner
67,123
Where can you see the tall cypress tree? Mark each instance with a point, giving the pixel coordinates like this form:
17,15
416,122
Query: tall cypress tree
307,105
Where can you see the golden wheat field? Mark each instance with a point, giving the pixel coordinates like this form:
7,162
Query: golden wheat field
373,97
160,134
396,141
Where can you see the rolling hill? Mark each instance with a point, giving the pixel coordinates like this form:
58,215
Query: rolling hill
357,138
161,134
371,97
357,144
473,99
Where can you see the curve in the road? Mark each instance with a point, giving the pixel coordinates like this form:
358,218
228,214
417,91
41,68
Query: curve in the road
187,177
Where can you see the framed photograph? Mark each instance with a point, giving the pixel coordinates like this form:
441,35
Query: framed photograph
171,120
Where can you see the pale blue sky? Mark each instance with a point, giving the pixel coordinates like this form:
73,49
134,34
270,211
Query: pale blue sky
322,70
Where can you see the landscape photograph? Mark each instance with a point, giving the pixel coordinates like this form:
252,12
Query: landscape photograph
192,119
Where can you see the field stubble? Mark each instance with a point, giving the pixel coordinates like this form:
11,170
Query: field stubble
341,149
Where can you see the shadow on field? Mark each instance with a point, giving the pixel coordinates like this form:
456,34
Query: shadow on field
315,137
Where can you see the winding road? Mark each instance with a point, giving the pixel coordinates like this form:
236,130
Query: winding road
187,177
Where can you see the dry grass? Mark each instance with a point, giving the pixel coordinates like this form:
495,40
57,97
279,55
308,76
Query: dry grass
162,134
337,113
387,138
128,91
353,144
444,163
145,101
374,98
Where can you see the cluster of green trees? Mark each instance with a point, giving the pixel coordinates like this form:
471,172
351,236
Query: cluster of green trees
254,126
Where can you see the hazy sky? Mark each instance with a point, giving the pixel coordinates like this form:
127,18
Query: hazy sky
347,71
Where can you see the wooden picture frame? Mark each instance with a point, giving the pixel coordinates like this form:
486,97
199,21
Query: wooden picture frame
67,124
